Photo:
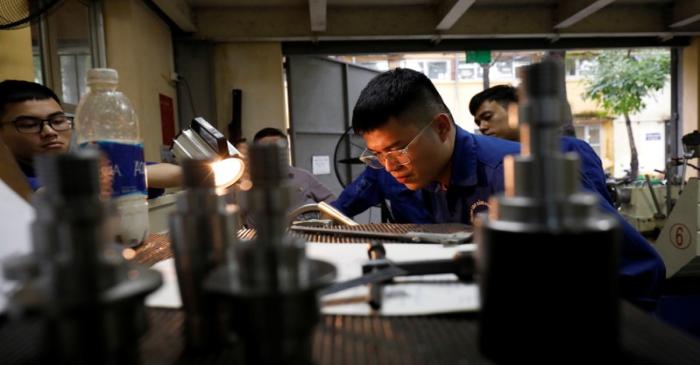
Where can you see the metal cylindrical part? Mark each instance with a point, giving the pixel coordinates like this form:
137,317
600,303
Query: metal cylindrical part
82,292
269,164
270,284
376,291
569,176
71,204
203,231
275,261
542,290
548,258
521,180
60,173
270,197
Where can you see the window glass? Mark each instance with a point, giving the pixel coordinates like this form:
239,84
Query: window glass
438,70
67,41
73,43
36,54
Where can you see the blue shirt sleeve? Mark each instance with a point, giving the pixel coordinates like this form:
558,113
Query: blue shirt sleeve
642,271
591,167
374,186
361,194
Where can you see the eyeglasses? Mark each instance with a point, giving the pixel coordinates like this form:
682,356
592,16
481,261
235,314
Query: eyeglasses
31,125
396,157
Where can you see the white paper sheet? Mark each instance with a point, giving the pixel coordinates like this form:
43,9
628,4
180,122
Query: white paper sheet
320,165
410,296
418,295
168,295
16,216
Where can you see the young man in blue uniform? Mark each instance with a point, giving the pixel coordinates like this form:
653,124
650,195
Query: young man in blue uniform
410,133
494,110
376,185
32,122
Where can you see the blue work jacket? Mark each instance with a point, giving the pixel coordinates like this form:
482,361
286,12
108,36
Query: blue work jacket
376,185
477,173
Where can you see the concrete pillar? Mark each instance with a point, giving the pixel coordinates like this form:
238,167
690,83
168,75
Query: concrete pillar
139,47
256,69
691,86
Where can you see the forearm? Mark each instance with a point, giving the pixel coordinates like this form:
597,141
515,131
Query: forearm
163,175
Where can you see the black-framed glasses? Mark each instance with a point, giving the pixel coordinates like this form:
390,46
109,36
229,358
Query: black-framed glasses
396,157
31,125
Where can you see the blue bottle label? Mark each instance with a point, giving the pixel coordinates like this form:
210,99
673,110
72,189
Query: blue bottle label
125,162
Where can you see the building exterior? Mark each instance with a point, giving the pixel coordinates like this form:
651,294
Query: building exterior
457,81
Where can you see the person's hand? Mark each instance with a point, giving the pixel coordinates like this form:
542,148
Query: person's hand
163,176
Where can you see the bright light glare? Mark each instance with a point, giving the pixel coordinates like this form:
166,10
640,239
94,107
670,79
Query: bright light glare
227,171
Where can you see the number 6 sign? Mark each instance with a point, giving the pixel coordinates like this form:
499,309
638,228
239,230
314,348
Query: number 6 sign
680,236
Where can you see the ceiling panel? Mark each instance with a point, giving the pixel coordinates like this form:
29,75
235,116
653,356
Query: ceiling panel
352,20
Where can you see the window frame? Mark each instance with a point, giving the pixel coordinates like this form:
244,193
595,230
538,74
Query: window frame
50,57
586,136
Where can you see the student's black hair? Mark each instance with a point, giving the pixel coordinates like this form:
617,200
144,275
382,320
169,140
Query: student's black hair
502,94
17,91
506,94
268,132
392,93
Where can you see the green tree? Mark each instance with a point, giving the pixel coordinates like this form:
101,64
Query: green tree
619,83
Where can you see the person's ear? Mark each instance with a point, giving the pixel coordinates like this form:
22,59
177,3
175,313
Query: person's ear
444,126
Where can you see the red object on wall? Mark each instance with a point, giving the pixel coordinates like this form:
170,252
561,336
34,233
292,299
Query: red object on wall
167,119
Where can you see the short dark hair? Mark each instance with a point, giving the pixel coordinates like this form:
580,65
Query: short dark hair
391,94
268,132
502,94
17,91
506,94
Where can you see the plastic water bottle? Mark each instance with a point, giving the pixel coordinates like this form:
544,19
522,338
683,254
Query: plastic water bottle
106,119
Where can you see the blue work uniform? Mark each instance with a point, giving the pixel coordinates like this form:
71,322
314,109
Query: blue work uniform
477,173
590,165
29,172
376,185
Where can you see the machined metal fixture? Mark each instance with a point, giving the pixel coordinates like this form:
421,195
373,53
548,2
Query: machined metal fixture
325,210
88,299
203,232
548,256
269,283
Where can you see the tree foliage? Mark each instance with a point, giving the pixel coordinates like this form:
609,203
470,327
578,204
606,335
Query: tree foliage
621,80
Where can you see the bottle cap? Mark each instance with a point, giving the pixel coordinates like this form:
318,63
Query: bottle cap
102,76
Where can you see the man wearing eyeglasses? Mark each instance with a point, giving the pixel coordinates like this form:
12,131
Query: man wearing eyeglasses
410,134
32,122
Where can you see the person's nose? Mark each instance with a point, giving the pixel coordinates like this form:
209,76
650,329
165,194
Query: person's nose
484,126
391,166
47,130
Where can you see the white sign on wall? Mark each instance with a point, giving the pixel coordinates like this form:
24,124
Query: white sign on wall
654,136
320,165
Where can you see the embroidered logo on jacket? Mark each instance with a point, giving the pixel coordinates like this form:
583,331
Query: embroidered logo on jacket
477,205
